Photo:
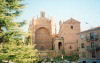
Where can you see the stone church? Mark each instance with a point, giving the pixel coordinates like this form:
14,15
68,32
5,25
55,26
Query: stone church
65,40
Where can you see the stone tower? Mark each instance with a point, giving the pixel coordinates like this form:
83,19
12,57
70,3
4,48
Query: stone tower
41,32
68,31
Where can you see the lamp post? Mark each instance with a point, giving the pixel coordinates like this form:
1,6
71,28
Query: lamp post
51,60
62,58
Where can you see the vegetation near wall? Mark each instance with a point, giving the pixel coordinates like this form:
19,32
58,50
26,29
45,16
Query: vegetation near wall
69,58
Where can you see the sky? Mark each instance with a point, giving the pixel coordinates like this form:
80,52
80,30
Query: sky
85,11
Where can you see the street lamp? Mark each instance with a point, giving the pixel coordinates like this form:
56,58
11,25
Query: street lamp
51,60
62,57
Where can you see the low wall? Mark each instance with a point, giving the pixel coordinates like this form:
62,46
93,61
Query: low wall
47,53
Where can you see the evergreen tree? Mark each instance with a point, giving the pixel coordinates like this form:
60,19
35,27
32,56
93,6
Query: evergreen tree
13,48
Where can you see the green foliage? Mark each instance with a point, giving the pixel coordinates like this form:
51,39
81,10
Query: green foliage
13,47
69,58
18,53
72,57
28,38
58,58
9,9
12,35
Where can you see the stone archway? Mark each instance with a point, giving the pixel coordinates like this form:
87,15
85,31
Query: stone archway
42,38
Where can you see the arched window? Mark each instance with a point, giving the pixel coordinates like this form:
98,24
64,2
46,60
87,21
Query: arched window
71,27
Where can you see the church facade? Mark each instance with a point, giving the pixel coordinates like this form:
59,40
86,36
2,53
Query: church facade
68,31
66,40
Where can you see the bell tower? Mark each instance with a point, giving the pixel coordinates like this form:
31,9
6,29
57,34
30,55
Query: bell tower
42,14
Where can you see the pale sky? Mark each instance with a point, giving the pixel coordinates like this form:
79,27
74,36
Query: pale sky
81,10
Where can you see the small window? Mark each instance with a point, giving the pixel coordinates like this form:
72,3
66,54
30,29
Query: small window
82,45
93,54
70,47
61,37
71,27
92,35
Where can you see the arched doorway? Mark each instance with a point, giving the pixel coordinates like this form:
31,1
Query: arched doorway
59,45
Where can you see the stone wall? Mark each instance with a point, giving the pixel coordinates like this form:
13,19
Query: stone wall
69,30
